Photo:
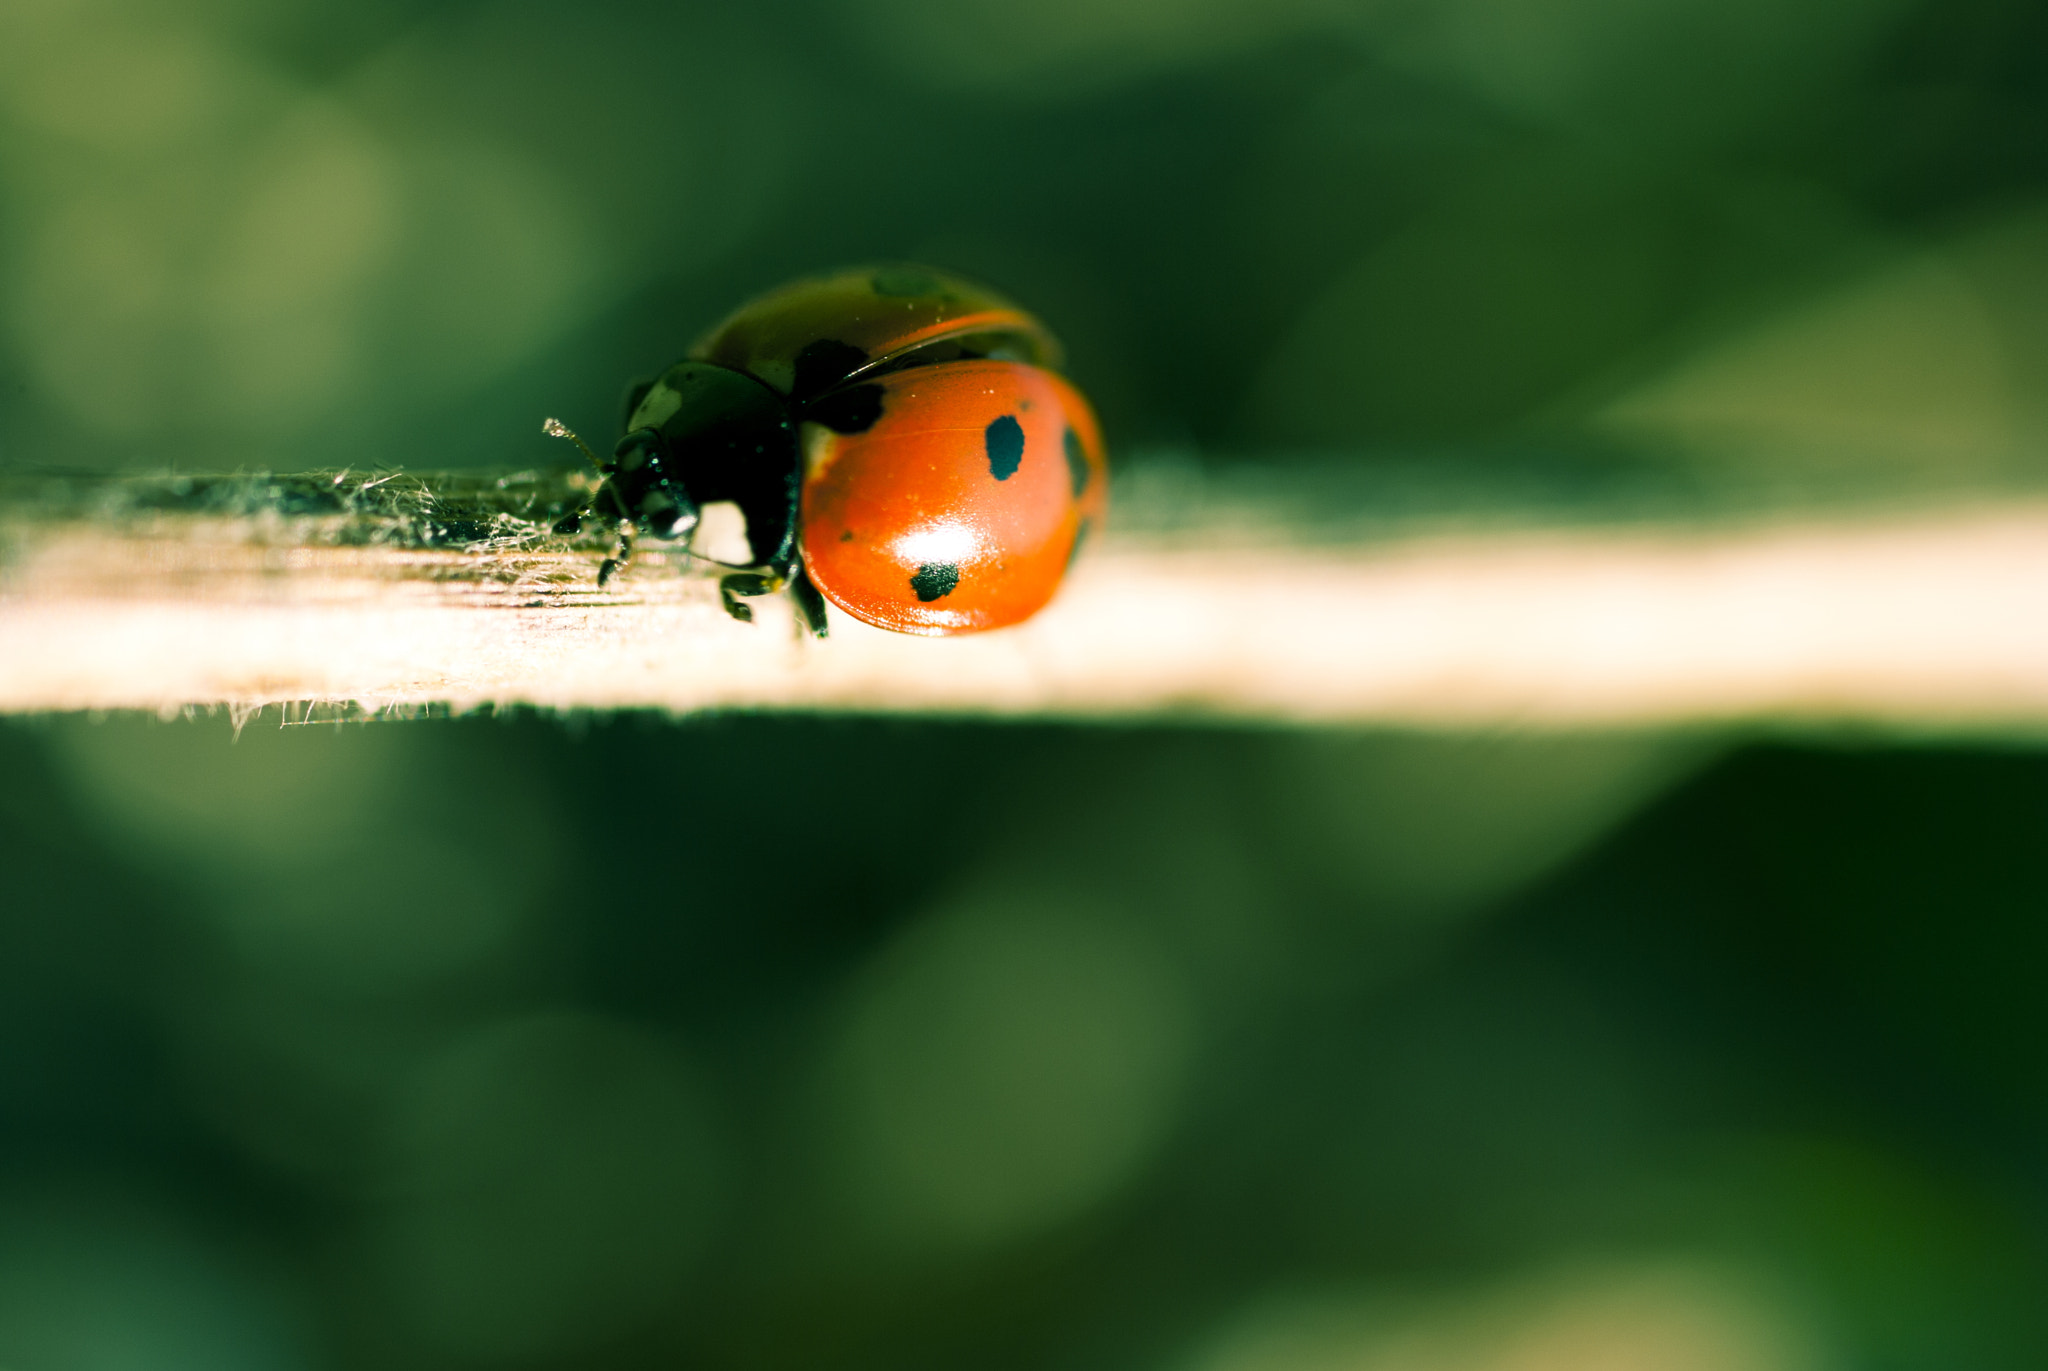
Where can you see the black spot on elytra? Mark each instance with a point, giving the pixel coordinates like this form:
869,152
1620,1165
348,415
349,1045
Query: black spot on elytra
1004,439
846,536
823,365
935,580
853,410
1077,463
904,282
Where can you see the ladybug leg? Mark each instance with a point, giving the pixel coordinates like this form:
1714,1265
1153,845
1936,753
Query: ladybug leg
572,522
809,603
621,554
748,583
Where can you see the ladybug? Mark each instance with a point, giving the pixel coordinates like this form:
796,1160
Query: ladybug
897,440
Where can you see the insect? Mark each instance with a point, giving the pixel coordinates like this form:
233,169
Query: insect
896,439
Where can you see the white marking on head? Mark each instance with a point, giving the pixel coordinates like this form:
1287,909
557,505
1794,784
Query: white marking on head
722,533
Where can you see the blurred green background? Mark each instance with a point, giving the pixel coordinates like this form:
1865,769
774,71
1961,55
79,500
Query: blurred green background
756,1042
295,232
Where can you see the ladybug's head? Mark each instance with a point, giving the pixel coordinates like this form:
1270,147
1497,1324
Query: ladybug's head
702,434
642,477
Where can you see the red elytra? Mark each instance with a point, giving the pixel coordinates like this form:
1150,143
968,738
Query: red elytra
960,508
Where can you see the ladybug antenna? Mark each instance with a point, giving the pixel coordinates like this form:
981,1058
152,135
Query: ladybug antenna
555,428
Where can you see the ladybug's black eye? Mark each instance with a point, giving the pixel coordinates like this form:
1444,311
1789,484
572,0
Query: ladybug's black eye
637,449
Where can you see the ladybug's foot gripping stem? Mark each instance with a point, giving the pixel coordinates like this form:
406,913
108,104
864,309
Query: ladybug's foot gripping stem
748,583
809,603
621,554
